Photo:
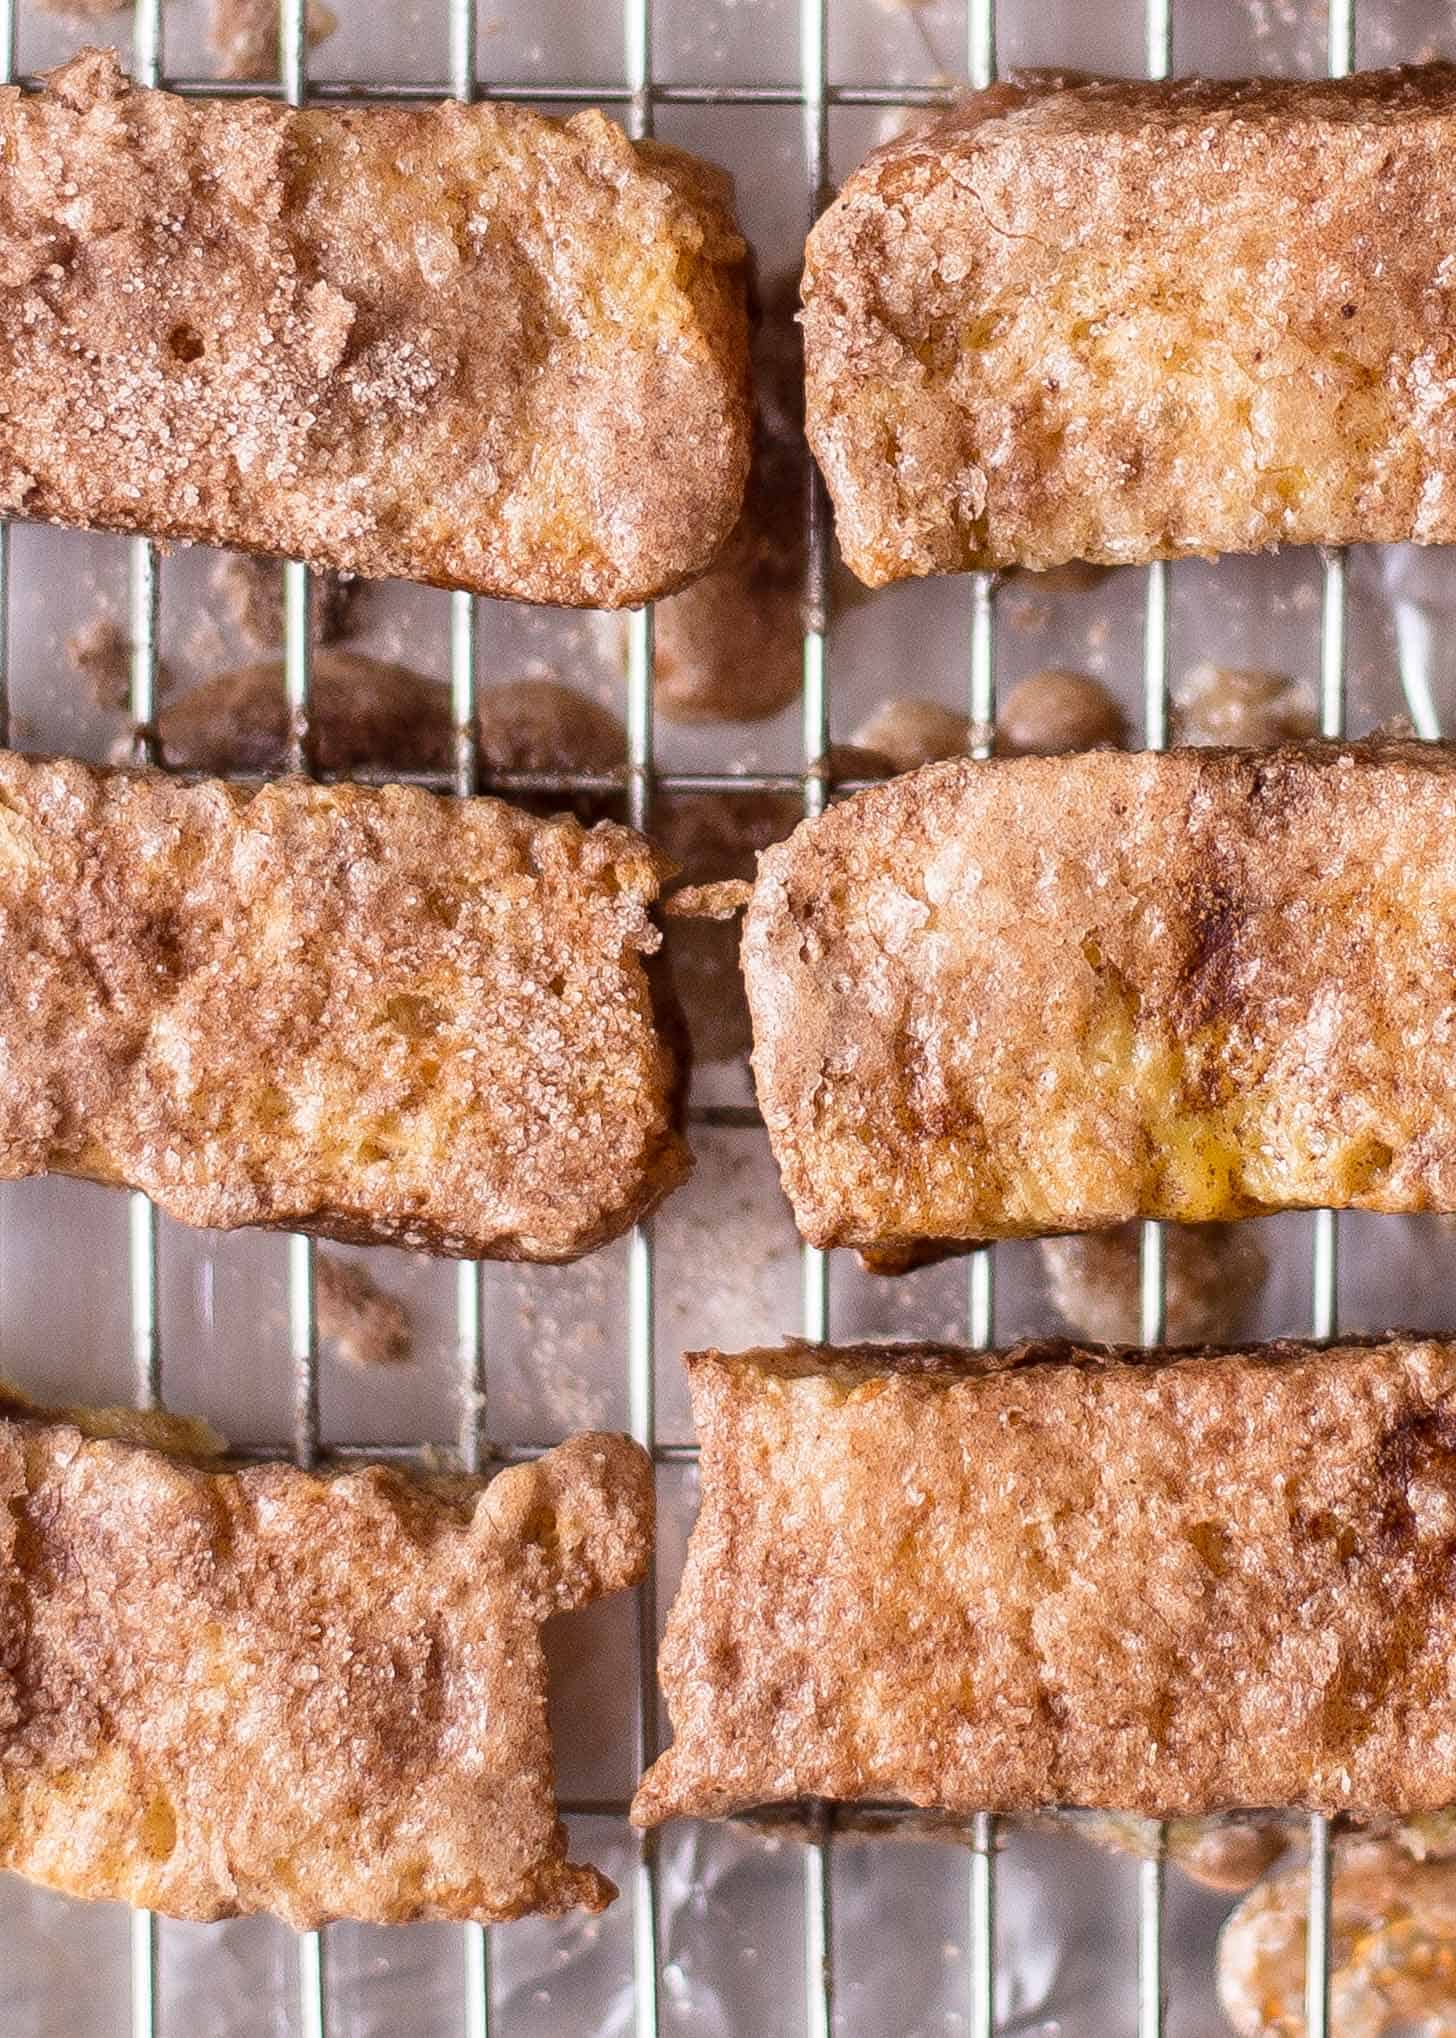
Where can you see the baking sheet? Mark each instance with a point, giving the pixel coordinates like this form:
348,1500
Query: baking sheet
727,1264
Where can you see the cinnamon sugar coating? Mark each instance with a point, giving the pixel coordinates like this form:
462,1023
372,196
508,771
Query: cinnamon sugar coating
1063,1575
374,1014
1051,994
231,1691
1133,321
459,344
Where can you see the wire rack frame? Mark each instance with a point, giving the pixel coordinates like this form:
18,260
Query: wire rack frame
637,94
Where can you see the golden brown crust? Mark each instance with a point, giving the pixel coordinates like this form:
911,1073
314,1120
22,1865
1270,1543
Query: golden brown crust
1132,321
461,344
224,1691
1064,1576
375,1014
1051,994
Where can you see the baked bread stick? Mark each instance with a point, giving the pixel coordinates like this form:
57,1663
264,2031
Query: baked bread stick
1063,1575
1051,994
230,1691
459,344
375,1014
1123,322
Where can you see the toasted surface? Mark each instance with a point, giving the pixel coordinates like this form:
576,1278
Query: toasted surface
371,1013
1129,321
175,1634
1051,994
460,344
1059,1575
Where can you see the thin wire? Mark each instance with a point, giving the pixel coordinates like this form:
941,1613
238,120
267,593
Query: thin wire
311,1997
293,50
469,1310
303,1344
1152,1242
1317,1941
557,784
983,1925
1155,656
1158,38
981,1271
302,1286
981,43
144,601
144,1963
1325,1270
146,1351
641,1311
814,1264
544,92
819,1929
1151,1994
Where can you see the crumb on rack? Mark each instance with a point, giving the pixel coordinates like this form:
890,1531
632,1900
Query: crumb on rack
100,651
1392,1942
82,10
251,587
730,648
911,731
243,35
1053,712
367,1325
1226,1852
1245,707
1213,1274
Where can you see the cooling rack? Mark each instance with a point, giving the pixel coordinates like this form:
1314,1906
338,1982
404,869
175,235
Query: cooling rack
636,95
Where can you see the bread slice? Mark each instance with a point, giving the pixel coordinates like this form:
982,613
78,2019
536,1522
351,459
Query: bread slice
459,344
229,1691
1068,1575
1051,994
1126,321
372,1013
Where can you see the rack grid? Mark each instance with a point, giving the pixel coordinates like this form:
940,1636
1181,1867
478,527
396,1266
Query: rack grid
636,95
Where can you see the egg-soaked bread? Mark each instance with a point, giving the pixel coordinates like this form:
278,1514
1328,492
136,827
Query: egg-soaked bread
1068,1575
459,344
372,1013
1050,994
1128,321
225,1691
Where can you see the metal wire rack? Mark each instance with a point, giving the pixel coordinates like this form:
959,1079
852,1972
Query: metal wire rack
636,94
